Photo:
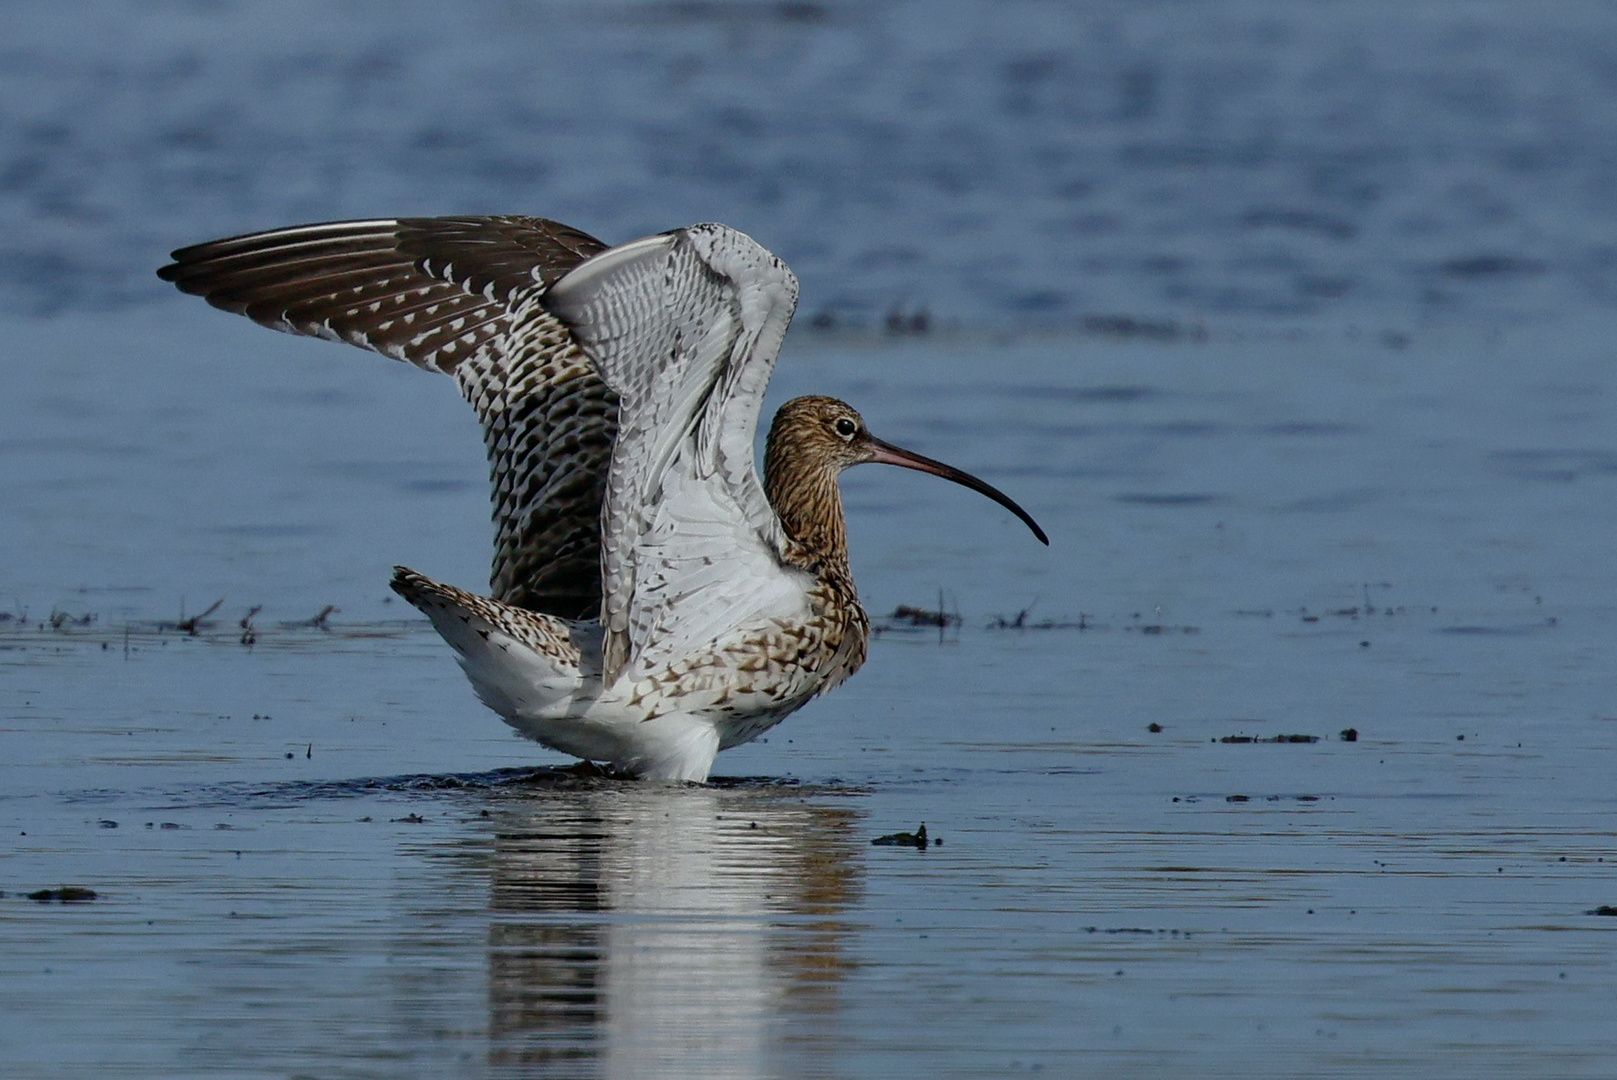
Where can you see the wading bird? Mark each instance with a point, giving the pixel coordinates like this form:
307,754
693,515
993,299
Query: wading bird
653,602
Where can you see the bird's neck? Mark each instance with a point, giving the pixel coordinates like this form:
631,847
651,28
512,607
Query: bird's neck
805,496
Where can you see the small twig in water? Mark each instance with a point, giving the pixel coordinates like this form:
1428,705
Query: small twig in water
1018,623
191,625
320,622
249,633
60,619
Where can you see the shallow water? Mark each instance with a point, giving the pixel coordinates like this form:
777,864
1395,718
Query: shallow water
319,869
1276,510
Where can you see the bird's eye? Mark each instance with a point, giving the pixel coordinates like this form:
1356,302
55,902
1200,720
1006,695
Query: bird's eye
847,428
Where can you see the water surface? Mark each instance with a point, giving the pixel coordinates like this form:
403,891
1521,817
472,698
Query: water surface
327,860
1292,332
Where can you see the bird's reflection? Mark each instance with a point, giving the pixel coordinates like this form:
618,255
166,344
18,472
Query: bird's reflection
654,932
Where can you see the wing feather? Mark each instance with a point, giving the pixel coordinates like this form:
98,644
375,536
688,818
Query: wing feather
685,327
458,296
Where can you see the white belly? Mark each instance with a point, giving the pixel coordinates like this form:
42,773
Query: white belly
543,676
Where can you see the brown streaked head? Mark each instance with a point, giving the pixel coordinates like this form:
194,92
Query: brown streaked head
814,438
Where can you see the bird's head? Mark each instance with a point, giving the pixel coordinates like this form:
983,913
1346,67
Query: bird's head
821,435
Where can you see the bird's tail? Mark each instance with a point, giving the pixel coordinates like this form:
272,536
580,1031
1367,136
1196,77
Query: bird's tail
522,664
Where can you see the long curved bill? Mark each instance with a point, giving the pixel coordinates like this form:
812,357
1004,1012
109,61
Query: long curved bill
888,454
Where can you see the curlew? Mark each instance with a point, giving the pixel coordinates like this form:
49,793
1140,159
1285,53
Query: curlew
653,601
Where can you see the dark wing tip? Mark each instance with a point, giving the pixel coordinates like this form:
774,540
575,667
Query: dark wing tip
183,271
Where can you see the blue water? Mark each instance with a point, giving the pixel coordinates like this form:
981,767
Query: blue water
1004,164
1291,325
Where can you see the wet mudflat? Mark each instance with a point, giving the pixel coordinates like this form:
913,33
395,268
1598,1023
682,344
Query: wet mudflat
316,855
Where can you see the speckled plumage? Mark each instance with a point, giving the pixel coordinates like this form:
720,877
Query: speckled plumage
654,601
458,296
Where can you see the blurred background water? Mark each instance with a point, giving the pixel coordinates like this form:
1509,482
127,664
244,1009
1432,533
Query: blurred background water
1291,324
1000,164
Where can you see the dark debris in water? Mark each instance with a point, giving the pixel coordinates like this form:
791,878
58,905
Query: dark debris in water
1271,739
1084,623
1518,630
1020,622
915,616
1603,909
133,637
195,623
908,617
1248,798
67,894
1351,613
916,839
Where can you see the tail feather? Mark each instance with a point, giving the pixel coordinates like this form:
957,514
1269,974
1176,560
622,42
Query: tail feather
522,664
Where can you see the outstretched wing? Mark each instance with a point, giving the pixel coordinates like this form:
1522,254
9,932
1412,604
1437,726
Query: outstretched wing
685,328
458,296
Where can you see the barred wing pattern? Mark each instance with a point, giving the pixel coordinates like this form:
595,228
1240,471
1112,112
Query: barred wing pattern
685,328
459,296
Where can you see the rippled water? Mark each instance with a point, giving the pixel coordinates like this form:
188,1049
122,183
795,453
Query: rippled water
318,868
1386,509
1033,162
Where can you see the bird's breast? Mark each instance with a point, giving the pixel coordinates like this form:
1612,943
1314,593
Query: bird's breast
766,668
